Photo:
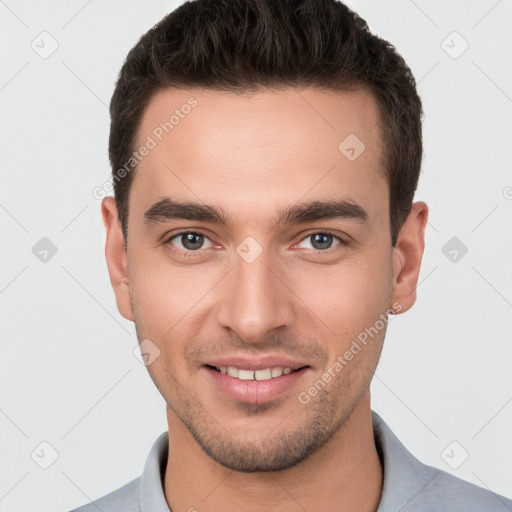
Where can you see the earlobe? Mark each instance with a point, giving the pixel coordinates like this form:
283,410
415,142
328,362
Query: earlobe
116,256
407,256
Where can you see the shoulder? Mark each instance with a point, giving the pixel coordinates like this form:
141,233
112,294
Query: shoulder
443,491
126,498
410,485
142,493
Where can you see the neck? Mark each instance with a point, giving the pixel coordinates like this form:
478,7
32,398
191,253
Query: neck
344,474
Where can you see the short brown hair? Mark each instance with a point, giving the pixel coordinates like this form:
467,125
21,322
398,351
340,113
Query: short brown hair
246,45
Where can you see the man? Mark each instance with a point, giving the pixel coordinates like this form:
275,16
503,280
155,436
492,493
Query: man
265,157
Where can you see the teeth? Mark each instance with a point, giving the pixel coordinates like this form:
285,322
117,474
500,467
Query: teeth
233,371
277,372
245,374
265,374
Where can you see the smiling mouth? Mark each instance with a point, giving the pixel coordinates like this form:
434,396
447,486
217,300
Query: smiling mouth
262,374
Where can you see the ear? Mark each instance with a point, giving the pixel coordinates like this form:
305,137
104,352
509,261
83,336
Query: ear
407,256
115,253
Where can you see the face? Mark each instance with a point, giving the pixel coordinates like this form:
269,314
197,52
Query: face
259,254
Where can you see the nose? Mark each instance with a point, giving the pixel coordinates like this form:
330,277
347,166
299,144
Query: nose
255,300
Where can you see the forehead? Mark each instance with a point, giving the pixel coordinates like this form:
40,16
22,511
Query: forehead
245,152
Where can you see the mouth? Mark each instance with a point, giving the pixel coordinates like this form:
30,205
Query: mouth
256,383
262,374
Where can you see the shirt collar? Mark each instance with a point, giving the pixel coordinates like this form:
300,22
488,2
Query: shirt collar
152,497
404,475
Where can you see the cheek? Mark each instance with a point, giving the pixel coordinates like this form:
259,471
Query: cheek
170,301
161,292
348,297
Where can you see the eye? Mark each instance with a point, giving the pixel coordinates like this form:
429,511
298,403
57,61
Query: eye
321,241
189,241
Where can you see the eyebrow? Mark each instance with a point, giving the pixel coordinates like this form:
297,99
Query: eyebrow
169,209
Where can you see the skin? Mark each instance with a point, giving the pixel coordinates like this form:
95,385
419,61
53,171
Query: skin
251,155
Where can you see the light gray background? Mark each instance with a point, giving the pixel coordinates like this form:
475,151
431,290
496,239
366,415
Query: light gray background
68,373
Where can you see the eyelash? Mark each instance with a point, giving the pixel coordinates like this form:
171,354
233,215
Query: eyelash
189,254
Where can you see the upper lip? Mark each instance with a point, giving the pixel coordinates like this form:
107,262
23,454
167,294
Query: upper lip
256,363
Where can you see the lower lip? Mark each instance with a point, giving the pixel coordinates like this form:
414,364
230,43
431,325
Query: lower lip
255,391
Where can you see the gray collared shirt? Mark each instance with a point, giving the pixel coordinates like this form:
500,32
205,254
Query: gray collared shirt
409,485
